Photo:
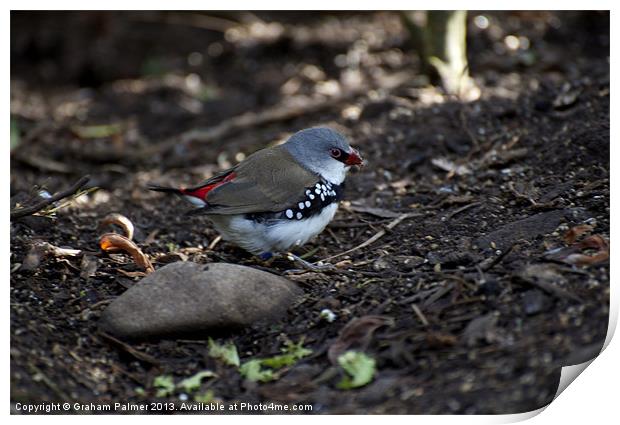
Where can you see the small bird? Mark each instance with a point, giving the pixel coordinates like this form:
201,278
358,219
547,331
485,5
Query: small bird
279,197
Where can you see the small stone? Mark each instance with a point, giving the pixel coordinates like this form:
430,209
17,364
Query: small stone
380,264
534,302
327,315
187,299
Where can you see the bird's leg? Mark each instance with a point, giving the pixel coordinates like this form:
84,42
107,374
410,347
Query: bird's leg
307,265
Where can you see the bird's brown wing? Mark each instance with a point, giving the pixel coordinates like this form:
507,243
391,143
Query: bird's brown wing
269,180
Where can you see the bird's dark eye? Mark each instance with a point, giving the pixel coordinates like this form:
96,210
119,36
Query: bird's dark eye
335,153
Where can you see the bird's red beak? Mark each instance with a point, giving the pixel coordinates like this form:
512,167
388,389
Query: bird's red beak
354,158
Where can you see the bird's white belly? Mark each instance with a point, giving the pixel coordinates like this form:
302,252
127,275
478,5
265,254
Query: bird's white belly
259,237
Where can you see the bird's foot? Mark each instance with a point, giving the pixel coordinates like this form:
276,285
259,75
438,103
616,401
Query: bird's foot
319,267
267,258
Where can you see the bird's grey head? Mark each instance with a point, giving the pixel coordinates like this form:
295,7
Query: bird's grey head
323,151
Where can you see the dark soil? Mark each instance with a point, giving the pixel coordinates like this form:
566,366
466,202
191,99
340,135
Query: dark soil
479,318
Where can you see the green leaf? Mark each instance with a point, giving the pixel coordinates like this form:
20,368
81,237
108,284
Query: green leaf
153,67
297,350
192,383
291,353
227,353
263,370
207,397
97,131
15,137
253,371
359,367
164,384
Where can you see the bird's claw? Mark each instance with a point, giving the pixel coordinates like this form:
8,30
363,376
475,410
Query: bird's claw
318,267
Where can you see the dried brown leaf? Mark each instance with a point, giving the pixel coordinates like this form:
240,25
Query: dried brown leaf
112,242
591,242
357,332
574,254
574,232
121,221
42,249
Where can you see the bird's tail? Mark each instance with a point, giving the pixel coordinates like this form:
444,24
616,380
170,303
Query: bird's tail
166,189
187,194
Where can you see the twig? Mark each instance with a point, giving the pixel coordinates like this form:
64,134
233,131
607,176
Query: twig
280,112
100,303
214,242
551,289
194,20
420,315
22,212
42,163
334,236
47,381
464,208
488,264
236,124
129,349
376,237
342,225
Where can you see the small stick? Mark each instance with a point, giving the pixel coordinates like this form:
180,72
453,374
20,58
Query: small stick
376,237
22,212
277,113
420,315
129,349
214,242
333,235
464,208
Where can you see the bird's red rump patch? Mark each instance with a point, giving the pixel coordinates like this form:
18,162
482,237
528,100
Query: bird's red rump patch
203,191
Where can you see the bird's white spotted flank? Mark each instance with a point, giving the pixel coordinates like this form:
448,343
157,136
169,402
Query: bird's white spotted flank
313,205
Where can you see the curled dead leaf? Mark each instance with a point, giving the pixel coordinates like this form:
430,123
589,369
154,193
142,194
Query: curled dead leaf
575,232
112,242
595,242
121,221
357,332
575,254
42,249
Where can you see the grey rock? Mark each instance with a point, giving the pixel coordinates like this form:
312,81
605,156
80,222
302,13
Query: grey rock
530,227
186,298
527,229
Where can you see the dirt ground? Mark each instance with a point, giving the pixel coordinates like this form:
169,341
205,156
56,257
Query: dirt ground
478,304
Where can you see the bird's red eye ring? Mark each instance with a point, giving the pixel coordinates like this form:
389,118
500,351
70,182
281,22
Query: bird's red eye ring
336,153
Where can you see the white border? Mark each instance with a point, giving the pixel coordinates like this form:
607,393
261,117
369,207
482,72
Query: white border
593,396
